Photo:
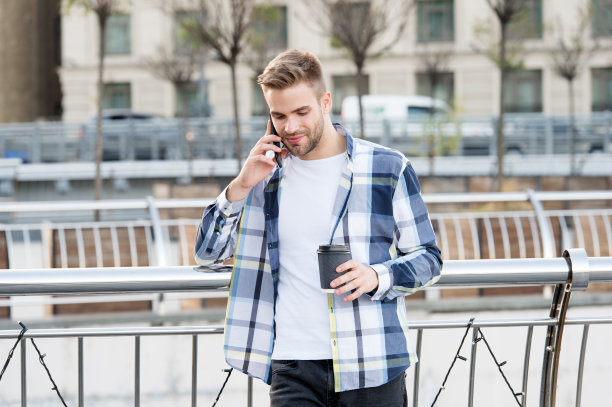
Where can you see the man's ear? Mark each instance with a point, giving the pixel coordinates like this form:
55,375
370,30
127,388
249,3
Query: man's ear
326,102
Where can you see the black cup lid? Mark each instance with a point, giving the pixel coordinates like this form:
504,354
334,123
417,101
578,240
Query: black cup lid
333,248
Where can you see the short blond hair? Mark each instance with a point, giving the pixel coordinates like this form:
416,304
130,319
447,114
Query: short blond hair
292,67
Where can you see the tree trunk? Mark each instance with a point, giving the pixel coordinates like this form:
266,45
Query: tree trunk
360,90
237,141
188,138
99,149
500,122
431,133
573,169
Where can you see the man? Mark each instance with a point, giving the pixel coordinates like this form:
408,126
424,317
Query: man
349,347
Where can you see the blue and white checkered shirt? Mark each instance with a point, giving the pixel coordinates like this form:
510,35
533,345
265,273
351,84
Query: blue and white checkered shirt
380,214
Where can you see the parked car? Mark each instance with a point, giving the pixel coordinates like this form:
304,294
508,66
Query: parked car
406,122
129,135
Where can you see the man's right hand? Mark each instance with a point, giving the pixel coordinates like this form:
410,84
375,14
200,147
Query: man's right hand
256,167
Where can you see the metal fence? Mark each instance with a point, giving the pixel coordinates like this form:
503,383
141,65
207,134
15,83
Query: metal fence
573,272
161,232
149,232
43,142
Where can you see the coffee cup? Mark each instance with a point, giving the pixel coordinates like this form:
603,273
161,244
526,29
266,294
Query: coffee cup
330,257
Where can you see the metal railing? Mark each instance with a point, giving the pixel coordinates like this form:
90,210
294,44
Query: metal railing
163,138
573,272
152,232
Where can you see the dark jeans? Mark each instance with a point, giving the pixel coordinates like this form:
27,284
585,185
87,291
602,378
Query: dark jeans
309,383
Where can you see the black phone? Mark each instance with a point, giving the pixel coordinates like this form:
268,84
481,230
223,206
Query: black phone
276,143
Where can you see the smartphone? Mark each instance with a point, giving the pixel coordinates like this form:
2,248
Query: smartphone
276,143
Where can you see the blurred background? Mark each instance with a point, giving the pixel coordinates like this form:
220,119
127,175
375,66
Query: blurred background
121,119
177,83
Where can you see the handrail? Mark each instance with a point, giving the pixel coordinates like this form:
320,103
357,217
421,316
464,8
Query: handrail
455,274
465,197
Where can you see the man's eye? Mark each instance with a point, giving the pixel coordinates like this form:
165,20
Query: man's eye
302,113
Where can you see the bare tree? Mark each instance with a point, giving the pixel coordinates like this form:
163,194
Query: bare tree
364,29
103,9
264,41
505,54
178,69
567,60
223,26
433,65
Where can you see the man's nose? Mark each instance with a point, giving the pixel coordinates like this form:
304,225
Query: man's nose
292,125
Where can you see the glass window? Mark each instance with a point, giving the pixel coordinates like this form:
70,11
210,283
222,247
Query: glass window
182,44
435,20
602,89
117,96
528,22
602,18
196,97
270,25
343,86
444,89
523,91
118,38
259,107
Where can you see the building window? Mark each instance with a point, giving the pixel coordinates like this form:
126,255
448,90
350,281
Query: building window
523,91
602,18
602,89
196,97
270,26
528,22
443,90
118,35
343,86
117,96
435,21
259,106
182,43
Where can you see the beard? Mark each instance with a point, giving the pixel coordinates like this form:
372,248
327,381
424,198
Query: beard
312,136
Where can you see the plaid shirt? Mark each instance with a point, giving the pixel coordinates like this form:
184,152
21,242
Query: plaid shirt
380,214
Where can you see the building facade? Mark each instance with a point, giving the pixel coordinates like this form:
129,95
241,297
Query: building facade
460,29
29,56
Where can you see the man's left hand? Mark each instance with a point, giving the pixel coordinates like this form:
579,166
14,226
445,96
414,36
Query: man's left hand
358,277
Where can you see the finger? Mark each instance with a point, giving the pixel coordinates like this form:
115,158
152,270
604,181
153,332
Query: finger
351,284
348,276
267,139
347,265
354,295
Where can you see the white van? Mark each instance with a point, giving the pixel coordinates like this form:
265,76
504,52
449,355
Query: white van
390,107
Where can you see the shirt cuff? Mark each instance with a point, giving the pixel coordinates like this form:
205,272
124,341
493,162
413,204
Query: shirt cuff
227,208
384,281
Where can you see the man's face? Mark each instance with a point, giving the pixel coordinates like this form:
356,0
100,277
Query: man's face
297,115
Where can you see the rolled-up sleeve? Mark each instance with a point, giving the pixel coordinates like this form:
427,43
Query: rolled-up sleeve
216,235
418,261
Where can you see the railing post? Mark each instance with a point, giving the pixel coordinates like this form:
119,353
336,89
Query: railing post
473,366
160,240
548,243
194,371
417,369
161,247
137,371
585,335
24,392
80,374
549,140
578,264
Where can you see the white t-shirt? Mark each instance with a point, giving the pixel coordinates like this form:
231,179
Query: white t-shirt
307,196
